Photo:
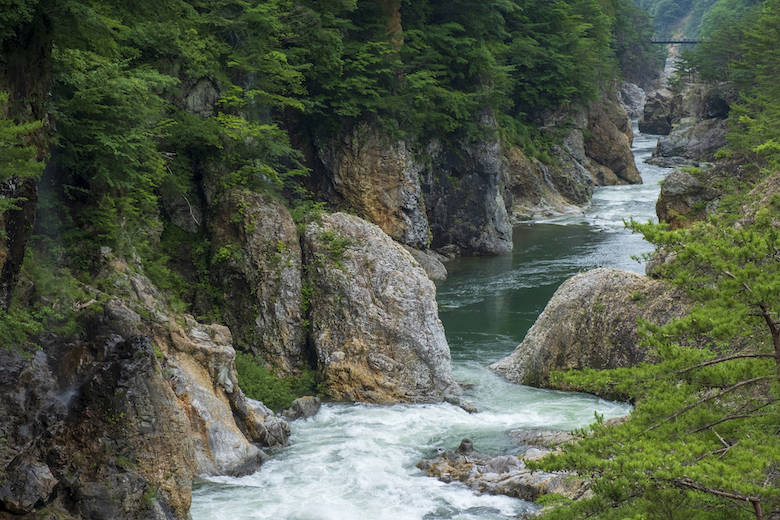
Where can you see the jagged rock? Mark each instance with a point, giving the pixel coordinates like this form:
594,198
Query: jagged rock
608,140
632,99
591,322
373,314
501,475
694,140
205,381
303,408
682,199
656,115
463,195
530,187
379,178
27,482
260,274
430,262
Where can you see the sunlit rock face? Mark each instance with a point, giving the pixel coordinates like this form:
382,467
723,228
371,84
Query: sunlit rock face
591,322
378,177
373,315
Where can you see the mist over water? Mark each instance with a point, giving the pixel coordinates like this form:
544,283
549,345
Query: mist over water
358,461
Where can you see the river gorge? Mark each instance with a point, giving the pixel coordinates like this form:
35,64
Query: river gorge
356,461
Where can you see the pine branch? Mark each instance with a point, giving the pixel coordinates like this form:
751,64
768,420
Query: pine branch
756,501
710,398
722,360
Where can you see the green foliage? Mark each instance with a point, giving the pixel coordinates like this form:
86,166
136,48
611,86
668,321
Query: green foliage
17,156
702,439
260,383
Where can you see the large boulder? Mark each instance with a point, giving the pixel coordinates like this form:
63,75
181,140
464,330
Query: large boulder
591,322
656,115
692,139
608,141
373,314
379,178
683,199
258,269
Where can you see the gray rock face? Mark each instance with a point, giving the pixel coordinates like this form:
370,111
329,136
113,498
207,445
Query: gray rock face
656,115
698,141
374,319
632,99
682,199
590,322
464,198
541,438
260,273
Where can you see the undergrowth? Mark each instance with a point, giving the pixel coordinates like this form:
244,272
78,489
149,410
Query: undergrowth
261,384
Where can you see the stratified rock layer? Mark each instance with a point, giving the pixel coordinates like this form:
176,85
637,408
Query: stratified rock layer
373,314
591,322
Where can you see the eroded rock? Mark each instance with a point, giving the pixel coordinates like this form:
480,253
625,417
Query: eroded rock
373,313
501,475
591,322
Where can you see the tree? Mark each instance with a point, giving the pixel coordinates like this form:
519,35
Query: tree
702,440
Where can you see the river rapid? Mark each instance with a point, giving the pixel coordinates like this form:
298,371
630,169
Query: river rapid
357,462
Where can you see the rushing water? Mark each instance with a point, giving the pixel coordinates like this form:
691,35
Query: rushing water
357,462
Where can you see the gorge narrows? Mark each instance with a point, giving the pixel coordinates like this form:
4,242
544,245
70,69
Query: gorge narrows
359,461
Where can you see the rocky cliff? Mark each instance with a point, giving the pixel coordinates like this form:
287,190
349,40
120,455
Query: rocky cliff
115,422
591,322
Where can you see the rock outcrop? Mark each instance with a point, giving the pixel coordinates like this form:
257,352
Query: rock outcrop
657,115
258,269
683,199
591,322
373,315
693,140
501,475
116,422
463,195
608,144
632,99
379,178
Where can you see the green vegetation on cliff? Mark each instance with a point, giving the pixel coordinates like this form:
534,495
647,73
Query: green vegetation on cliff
154,108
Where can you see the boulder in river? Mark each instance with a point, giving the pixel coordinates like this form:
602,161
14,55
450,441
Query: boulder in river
501,475
656,115
683,199
373,313
591,322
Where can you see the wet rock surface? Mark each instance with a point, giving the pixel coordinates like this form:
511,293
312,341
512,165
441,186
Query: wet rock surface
501,474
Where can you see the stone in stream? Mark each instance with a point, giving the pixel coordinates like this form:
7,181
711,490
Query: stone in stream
501,475
303,408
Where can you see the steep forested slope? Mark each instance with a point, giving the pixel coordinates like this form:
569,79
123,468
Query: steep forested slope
150,109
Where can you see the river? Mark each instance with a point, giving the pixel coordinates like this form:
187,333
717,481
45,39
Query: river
357,462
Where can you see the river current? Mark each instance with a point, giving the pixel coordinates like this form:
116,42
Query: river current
357,462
